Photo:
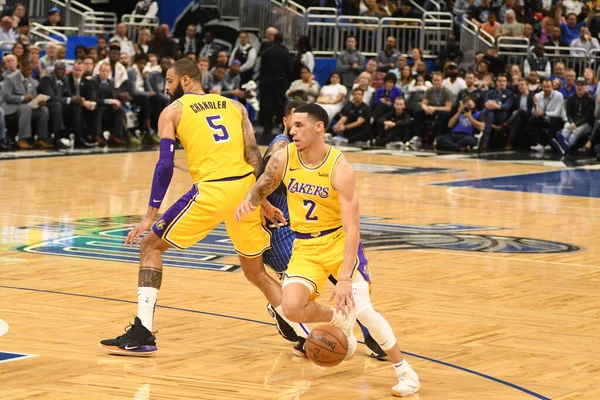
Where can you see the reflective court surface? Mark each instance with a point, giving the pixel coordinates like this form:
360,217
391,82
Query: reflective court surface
488,271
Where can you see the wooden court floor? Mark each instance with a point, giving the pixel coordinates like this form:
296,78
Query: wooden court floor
492,293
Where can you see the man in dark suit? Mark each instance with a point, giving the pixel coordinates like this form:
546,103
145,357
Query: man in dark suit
79,86
275,73
210,48
190,43
156,83
517,123
18,90
162,45
108,106
66,114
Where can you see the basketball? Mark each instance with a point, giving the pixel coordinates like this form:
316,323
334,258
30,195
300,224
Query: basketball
326,346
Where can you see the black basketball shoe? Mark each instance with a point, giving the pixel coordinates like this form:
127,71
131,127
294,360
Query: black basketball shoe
285,330
300,347
374,350
136,341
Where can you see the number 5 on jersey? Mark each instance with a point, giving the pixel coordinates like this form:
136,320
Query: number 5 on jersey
222,135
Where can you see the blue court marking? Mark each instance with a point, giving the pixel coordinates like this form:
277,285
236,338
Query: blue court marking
470,371
569,182
10,356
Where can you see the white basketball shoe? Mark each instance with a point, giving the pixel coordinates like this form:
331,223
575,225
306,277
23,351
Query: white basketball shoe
408,382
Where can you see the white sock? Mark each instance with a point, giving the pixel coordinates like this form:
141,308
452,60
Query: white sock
399,367
146,302
300,329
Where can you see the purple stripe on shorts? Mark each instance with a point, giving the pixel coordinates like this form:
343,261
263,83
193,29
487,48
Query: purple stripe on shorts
171,215
362,263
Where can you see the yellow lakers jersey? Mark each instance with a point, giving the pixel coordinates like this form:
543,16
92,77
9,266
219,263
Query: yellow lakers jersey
210,131
313,203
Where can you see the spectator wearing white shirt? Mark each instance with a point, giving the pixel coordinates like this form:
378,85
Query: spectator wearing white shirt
246,55
121,37
585,41
7,34
453,82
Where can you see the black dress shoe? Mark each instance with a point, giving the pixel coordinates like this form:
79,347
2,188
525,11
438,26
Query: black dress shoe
5,145
84,144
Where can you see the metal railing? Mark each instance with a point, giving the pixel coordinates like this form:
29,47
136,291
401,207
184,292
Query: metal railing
99,23
366,30
408,33
577,63
515,49
72,15
322,30
48,33
294,22
437,26
136,22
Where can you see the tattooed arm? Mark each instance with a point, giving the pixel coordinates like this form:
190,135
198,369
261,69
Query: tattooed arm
251,152
266,184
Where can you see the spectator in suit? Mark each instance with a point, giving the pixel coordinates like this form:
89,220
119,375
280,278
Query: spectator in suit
498,105
156,83
210,48
162,45
354,124
275,73
246,54
394,128
190,43
350,62
270,39
118,70
463,124
79,86
124,42
108,107
88,66
54,18
547,119
517,123
19,89
580,119
140,95
63,106
537,62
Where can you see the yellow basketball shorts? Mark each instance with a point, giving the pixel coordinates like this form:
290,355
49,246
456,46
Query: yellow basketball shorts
204,207
314,259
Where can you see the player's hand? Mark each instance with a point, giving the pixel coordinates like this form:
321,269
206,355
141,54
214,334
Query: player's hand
344,296
243,210
134,235
273,214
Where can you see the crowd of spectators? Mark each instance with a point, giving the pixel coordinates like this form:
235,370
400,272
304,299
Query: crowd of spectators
394,100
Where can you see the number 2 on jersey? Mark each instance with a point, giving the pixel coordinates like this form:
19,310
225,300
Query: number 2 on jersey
311,205
224,135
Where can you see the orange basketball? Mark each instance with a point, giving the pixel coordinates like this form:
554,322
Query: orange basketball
326,346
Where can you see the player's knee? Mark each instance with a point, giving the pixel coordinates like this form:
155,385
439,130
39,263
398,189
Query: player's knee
148,245
293,309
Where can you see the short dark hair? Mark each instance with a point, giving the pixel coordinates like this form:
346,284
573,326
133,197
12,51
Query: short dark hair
80,46
315,112
390,76
186,67
291,105
278,38
358,89
140,57
502,76
26,62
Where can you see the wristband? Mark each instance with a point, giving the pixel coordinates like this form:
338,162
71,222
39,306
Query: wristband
163,172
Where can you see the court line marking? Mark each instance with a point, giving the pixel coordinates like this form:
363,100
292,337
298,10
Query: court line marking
3,327
452,189
467,370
